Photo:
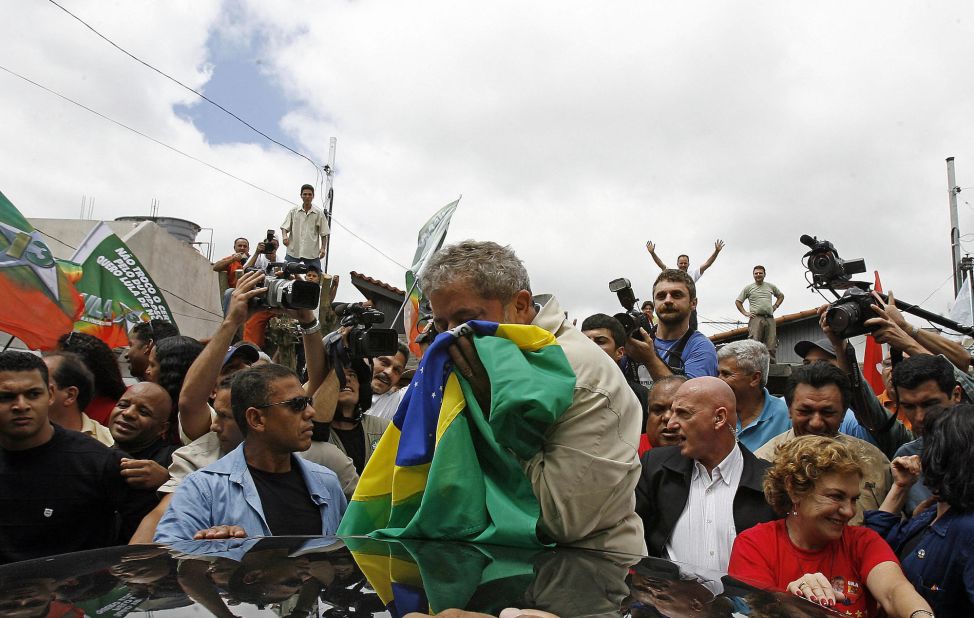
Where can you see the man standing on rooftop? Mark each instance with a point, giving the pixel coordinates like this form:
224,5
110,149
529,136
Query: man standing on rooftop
305,231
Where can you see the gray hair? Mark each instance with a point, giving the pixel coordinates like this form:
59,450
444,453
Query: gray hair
751,356
493,271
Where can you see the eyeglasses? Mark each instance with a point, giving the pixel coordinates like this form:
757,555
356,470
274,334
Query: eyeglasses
298,404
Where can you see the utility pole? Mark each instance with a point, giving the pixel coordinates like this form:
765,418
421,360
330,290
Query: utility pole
952,191
329,195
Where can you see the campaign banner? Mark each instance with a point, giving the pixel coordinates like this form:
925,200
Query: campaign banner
117,290
431,237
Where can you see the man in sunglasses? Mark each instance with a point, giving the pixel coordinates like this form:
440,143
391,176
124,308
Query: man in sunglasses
261,488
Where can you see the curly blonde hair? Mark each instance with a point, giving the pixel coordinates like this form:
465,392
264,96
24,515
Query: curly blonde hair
799,463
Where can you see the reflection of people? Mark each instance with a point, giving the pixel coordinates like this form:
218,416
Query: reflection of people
815,481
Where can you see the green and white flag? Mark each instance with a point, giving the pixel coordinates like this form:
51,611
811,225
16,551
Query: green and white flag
117,290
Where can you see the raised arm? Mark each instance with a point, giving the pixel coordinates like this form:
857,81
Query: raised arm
203,374
652,252
713,256
221,265
955,352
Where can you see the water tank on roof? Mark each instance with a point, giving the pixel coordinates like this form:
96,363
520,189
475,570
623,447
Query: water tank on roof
182,229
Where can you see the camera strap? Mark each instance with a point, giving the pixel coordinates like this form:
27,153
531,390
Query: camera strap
674,355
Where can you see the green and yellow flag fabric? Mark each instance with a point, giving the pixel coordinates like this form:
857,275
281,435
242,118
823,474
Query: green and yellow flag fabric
447,470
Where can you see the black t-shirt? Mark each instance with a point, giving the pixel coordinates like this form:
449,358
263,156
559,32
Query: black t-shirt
159,451
287,503
354,442
63,496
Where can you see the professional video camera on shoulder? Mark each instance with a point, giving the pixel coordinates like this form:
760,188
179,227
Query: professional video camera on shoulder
284,290
364,341
631,319
846,315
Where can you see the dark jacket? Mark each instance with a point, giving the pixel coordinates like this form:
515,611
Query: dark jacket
664,487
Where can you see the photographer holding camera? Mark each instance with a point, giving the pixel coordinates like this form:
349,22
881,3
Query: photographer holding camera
913,395
346,394
255,329
231,265
674,348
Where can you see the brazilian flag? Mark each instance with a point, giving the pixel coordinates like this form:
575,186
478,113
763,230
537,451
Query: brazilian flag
447,470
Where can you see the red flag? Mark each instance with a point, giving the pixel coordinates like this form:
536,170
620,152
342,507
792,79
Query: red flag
874,355
38,303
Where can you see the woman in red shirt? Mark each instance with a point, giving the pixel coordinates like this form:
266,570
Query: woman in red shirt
812,552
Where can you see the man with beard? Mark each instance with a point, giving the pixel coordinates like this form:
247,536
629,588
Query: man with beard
676,348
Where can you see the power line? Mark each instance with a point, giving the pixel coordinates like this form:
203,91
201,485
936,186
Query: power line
193,90
189,156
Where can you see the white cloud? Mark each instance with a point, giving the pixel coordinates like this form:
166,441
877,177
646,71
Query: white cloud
575,132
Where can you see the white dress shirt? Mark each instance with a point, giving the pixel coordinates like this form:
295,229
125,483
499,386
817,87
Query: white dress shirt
705,533
386,404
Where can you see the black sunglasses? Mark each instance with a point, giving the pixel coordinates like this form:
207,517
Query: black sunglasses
298,404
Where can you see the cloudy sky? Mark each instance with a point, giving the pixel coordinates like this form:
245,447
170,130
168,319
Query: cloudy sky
574,132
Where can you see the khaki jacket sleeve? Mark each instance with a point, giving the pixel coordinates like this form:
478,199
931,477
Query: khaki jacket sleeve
585,476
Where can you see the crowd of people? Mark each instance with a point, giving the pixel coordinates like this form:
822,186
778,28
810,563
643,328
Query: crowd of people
665,445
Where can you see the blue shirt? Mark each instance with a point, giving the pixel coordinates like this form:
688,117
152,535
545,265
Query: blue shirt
850,426
224,493
941,566
699,355
918,492
773,420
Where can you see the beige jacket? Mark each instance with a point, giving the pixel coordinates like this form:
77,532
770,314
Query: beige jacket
206,449
96,430
877,478
585,476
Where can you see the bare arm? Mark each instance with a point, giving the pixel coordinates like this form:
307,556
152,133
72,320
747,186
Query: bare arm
314,353
203,374
906,472
713,256
893,591
933,342
644,352
652,252
147,529
740,307
221,265
780,298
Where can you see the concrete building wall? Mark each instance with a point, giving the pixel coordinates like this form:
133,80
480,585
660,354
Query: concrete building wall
187,279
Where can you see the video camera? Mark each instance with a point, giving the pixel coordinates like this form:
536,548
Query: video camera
632,319
846,315
363,340
828,270
283,290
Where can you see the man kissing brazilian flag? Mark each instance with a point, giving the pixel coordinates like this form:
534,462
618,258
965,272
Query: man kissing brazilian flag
447,470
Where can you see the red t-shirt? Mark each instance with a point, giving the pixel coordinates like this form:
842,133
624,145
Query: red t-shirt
766,557
100,408
232,269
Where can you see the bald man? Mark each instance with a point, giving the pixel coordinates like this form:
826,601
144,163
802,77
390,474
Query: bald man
139,422
684,489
